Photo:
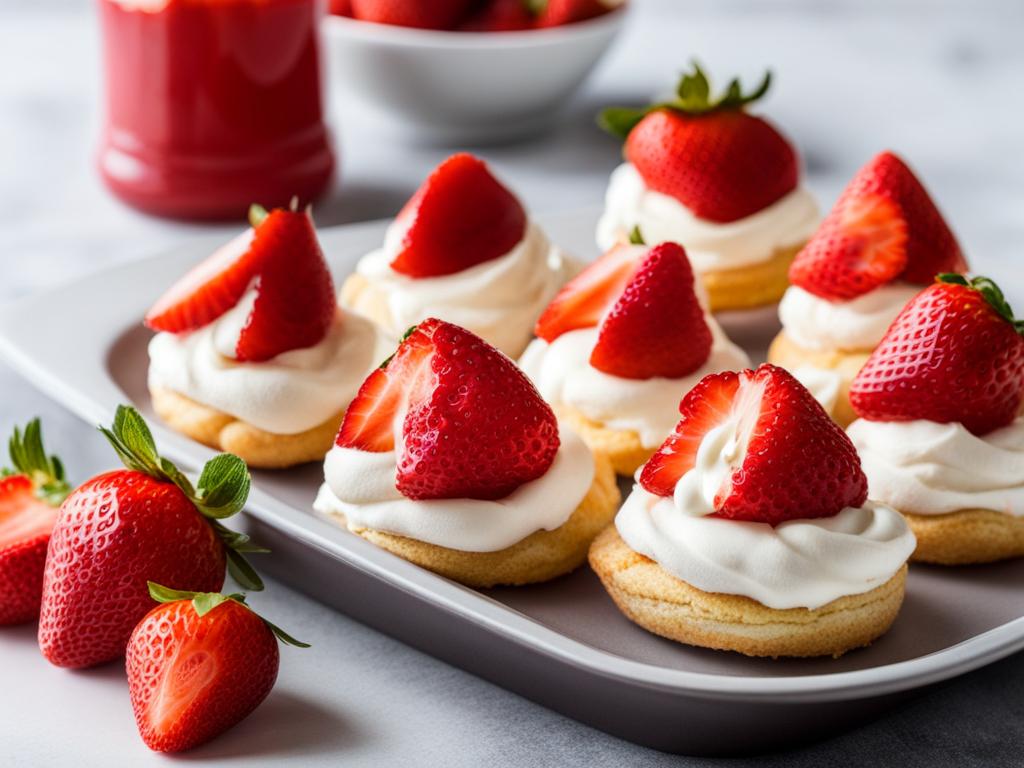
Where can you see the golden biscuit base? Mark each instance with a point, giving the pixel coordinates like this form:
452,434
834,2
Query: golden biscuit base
541,556
256,447
966,537
621,447
847,363
660,603
752,285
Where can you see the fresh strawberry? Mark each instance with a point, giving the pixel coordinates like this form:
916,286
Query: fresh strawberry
583,301
789,460
500,16
435,14
884,227
198,664
473,426
656,326
954,354
555,13
460,217
120,529
29,496
281,259
720,162
340,7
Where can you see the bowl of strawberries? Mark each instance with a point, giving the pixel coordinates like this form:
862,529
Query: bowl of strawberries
465,71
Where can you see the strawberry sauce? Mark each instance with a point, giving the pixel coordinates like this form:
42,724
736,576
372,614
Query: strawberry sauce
213,105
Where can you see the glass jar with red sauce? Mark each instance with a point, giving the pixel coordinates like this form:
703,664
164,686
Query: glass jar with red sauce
213,104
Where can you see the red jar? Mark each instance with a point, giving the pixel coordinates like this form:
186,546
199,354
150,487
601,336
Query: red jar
213,105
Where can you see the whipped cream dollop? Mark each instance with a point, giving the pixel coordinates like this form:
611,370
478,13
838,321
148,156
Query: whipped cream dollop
295,391
710,245
796,564
928,468
824,385
855,325
498,300
360,485
650,407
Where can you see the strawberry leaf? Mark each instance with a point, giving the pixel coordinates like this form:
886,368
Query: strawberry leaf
28,457
223,486
635,237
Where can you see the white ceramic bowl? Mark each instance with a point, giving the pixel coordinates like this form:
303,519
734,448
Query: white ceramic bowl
462,87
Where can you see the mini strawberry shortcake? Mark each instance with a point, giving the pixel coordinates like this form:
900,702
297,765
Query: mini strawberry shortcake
619,346
940,433
254,356
879,246
749,529
725,184
463,249
448,457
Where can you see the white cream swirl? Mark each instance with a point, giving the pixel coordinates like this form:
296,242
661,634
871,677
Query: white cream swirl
856,325
710,245
796,564
563,374
928,468
288,394
360,485
498,300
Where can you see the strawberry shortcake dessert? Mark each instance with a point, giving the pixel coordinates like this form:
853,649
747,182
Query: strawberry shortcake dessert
879,246
704,172
254,356
465,250
940,432
750,529
619,346
449,457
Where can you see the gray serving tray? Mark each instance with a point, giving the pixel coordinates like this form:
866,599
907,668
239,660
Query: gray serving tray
562,644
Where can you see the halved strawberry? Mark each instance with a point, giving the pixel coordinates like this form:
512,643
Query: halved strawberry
657,326
955,353
583,301
884,227
786,458
473,426
460,217
28,510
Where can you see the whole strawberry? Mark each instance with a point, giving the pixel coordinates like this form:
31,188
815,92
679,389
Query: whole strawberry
715,158
472,425
955,353
30,493
198,664
787,459
123,528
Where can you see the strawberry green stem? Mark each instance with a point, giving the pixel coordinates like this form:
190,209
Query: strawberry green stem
28,457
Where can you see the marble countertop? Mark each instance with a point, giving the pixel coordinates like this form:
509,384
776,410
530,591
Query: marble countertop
939,82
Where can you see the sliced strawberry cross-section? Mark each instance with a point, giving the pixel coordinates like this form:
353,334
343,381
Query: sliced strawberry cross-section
786,459
657,325
460,217
472,425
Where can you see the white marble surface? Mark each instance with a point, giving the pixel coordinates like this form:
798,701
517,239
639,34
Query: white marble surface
939,82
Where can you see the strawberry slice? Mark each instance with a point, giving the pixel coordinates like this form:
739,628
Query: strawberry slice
786,458
473,426
953,354
583,301
460,217
884,227
657,326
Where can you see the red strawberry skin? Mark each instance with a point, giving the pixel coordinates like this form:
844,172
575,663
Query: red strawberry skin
798,463
435,14
191,677
114,533
884,227
657,326
949,356
460,217
295,301
723,165
25,525
558,12
500,16
482,432
340,7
